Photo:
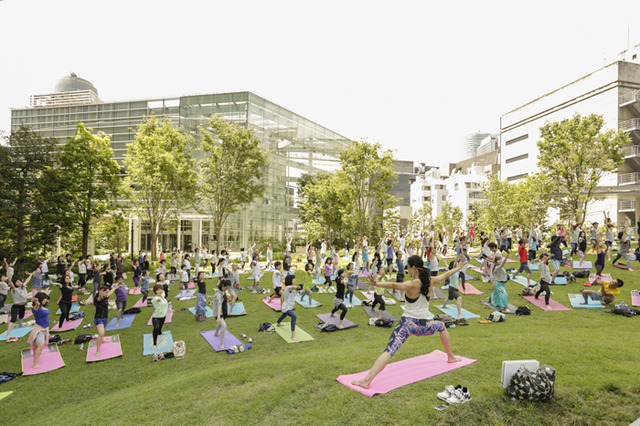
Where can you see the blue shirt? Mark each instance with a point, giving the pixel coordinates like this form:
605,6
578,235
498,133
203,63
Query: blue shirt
41,316
144,286
389,252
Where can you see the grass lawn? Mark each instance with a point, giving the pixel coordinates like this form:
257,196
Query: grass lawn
596,356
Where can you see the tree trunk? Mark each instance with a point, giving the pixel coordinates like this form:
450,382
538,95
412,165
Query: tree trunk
19,267
154,239
85,238
218,229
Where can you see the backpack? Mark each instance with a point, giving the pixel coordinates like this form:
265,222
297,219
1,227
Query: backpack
266,327
83,338
383,322
179,349
448,320
523,310
132,311
54,339
530,290
623,309
532,385
497,316
581,274
76,315
328,327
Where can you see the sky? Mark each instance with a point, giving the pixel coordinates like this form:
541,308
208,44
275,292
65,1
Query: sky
415,76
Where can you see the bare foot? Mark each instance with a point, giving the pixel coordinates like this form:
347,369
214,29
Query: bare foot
154,347
361,383
222,347
117,325
280,324
216,335
340,326
97,353
548,307
332,316
584,303
294,338
36,365
453,358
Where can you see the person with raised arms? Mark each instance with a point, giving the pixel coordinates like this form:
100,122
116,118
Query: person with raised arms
101,302
40,334
19,295
414,320
160,308
66,296
289,293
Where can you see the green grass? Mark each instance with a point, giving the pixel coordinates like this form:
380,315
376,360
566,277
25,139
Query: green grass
595,355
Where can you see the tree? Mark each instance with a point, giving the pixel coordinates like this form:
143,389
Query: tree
161,177
111,233
575,154
391,221
368,173
229,171
450,218
93,177
420,220
323,207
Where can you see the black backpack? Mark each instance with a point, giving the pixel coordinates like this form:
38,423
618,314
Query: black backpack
328,327
623,309
581,274
132,311
383,322
448,320
83,338
523,310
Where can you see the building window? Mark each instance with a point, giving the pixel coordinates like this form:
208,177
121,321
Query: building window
444,198
518,158
516,177
518,139
456,187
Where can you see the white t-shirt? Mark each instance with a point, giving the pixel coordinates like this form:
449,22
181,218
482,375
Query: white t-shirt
277,279
184,277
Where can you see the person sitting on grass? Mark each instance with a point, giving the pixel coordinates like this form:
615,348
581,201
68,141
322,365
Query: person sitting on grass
40,334
414,321
220,309
289,293
609,290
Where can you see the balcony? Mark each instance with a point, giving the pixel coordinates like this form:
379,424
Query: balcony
630,125
628,178
626,205
629,98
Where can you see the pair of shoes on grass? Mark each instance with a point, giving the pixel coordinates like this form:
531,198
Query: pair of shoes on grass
455,395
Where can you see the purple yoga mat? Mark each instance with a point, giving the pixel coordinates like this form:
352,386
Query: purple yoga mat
110,348
621,266
50,359
336,319
407,371
68,325
555,306
229,340
635,298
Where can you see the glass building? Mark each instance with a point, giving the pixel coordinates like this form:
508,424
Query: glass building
295,146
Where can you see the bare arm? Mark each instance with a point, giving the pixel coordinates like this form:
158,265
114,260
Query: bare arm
27,280
438,279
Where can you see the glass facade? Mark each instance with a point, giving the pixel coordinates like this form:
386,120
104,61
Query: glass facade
295,145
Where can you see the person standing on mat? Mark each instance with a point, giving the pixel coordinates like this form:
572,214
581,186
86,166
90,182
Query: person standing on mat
556,256
220,309
276,279
101,302
160,307
19,295
305,288
414,320
66,295
255,272
184,278
378,298
623,251
201,296
234,278
400,275
338,300
545,279
328,270
499,297
524,262
40,334
121,300
600,255
144,285
289,292
454,294
351,282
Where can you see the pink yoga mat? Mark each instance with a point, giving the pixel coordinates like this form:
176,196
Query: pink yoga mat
620,266
50,359
229,340
68,325
476,269
635,298
139,304
592,277
167,319
135,290
110,348
191,285
469,289
275,304
555,306
407,371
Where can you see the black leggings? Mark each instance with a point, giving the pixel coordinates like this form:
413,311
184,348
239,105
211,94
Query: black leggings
166,290
145,294
342,308
599,268
157,328
463,279
65,307
3,297
17,312
544,287
378,300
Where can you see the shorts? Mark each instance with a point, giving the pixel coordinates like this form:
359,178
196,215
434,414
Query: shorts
524,266
121,305
232,291
98,321
17,311
41,338
278,290
453,293
411,327
597,297
556,264
337,302
608,244
389,261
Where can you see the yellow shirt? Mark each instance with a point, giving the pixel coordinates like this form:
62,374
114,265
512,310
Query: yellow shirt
615,292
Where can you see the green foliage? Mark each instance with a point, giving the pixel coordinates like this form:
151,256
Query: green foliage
420,220
230,171
111,233
161,177
575,154
323,205
92,176
391,221
450,218
369,177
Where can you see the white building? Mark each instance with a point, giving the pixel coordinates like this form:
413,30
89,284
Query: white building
613,91
472,141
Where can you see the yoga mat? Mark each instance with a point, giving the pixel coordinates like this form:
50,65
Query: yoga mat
396,294
512,309
110,348
364,274
3,395
305,302
592,277
439,294
238,310
229,340
522,281
585,264
336,320
534,266
452,310
405,372
75,307
374,314
185,293
50,359
284,331
250,288
469,277
429,314
476,269
577,299
208,311
361,285
555,306
191,285
146,303
165,343
635,298
275,304
68,325
621,266
135,290
17,332
356,301
167,319
559,281
125,322
469,289
74,298
251,277
387,300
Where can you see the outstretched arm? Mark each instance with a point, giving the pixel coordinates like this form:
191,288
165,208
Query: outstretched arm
438,279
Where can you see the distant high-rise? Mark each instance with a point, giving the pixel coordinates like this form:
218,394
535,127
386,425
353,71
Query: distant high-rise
472,142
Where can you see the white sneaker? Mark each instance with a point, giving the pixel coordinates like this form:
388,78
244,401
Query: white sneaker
460,396
448,392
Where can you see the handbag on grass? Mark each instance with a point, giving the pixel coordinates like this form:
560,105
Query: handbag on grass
532,385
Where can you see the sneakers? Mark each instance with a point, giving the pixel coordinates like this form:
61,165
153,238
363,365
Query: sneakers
461,321
448,392
12,339
459,396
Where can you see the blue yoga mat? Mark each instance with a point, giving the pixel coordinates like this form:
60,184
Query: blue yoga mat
356,301
560,281
522,280
125,322
577,299
305,302
534,266
238,309
453,311
208,310
165,343
75,307
17,332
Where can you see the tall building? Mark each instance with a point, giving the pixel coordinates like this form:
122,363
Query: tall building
472,141
295,145
612,91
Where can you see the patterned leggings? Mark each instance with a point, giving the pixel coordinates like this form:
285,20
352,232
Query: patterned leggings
411,327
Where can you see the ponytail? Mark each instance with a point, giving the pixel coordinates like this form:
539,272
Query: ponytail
424,275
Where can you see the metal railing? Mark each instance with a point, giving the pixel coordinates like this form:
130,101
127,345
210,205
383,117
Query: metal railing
633,124
628,178
631,151
629,98
626,205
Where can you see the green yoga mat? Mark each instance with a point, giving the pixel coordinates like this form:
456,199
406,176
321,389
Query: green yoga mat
285,332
